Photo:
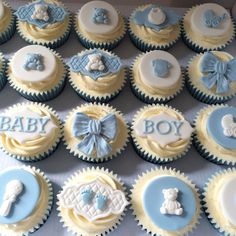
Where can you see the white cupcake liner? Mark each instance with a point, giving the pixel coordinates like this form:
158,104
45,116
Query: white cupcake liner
45,153
144,97
105,231
147,156
39,96
172,172
82,156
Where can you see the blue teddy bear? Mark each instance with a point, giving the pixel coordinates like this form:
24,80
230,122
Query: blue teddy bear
100,16
34,62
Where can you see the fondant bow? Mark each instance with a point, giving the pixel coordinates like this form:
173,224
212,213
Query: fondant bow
96,133
218,73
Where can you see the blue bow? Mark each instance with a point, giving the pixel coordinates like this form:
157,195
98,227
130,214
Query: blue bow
96,133
218,72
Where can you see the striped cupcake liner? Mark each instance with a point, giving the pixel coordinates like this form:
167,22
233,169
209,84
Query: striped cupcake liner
44,154
3,79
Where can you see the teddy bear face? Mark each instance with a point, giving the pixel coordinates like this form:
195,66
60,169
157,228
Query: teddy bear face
170,194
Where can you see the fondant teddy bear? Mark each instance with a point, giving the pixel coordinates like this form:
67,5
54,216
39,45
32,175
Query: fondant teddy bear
95,63
34,62
100,16
171,206
40,12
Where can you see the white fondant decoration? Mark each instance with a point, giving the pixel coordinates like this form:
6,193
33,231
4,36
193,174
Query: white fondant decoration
40,12
171,206
95,63
227,198
148,76
43,127
33,76
156,16
71,199
197,20
85,18
163,129
13,189
2,10
229,125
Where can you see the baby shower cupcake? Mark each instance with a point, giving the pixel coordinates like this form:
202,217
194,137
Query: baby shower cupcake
207,27
211,77
37,73
7,22
219,201
95,132
156,77
29,131
97,75
26,199
154,27
92,202
3,79
44,22
215,136
165,203
160,134
99,25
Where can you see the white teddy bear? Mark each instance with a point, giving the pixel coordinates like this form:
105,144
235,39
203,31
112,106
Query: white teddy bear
171,206
229,125
40,12
95,63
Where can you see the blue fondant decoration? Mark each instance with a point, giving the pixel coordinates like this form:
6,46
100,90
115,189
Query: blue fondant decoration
100,16
161,67
111,63
217,72
87,196
34,61
153,199
28,199
141,18
96,134
211,20
215,129
55,14
101,201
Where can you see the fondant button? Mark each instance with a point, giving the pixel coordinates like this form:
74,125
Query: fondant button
156,16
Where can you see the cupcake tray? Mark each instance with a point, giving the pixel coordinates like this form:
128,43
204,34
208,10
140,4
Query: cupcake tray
59,166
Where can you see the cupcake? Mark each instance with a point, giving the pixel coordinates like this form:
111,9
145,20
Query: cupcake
95,132
156,77
99,25
29,131
219,201
26,199
3,79
211,77
37,73
215,136
165,203
97,75
44,22
92,202
160,134
207,27
7,22
154,27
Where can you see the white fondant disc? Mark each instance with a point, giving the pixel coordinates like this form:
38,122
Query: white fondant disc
197,20
1,9
33,76
148,76
228,200
85,17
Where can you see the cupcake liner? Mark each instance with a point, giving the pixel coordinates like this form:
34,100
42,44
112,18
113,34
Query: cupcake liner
145,97
45,153
9,32
201,96
208,214
3,79
148,156
73,230
139,218
87,43
55,43
197,48
82,156
45,95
